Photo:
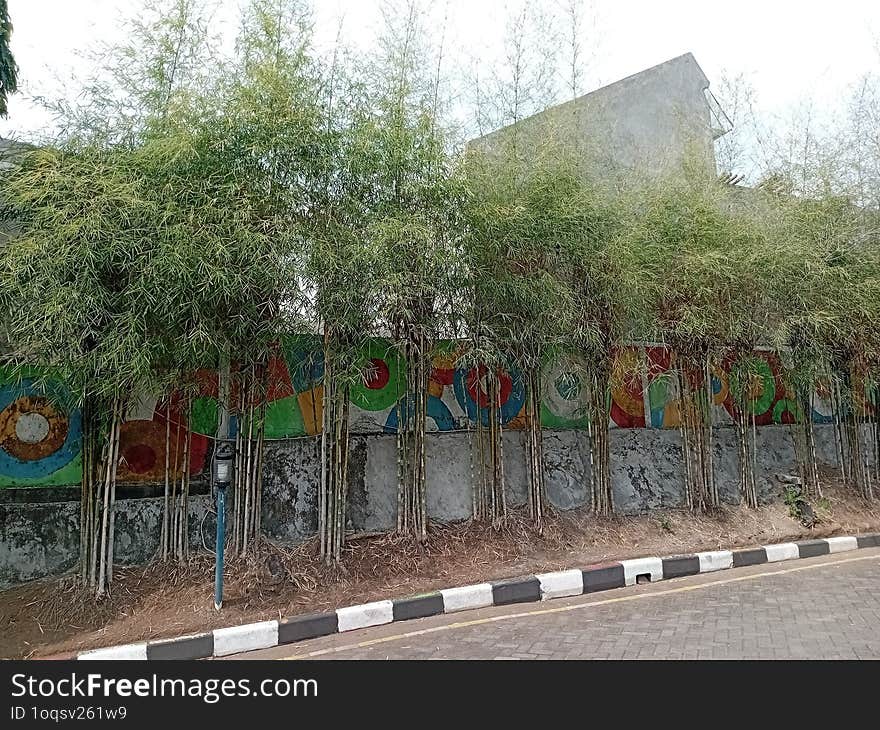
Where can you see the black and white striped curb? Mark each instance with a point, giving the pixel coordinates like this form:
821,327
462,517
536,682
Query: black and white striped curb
540,587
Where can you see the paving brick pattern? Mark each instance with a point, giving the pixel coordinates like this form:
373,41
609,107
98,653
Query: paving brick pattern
831,611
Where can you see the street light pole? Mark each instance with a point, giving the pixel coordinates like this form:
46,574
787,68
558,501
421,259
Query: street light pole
222,478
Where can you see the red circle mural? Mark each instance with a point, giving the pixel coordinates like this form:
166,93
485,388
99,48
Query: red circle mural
377,375
476,386
140,458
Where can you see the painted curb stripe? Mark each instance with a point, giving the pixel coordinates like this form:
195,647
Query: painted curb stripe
418,607
603,578
561,583
841,544
872,539
783,551
465,597
680,566
516,590
632,569
236,639
310,626
197,646
715,560
812,548
364,615
133,652
754,556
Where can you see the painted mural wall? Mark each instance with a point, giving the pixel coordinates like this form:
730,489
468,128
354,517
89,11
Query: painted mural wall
40,438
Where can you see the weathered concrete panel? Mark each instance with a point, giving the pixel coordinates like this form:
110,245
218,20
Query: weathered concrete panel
37,540
291,476
448,473
646,469
379,479
567,468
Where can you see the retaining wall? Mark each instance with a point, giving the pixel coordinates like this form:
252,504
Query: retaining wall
39,528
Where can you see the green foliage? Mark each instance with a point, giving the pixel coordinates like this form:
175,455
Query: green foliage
707,274
836,285
8,67
536,242
76,261
798,507
147,257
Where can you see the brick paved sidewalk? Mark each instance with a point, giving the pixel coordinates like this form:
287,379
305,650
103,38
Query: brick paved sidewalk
827,607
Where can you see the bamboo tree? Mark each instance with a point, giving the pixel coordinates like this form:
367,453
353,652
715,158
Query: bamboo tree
403,182
518,225
713,283
8,66
830,336
600,309
166,222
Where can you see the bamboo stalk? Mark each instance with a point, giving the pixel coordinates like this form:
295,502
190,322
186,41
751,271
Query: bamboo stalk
685,438
237,477
165,516
114,465
323,497
98,529
248,474
258,482
174,496
710,423
183,522
423,487
85,497
753,476
343,502
102,565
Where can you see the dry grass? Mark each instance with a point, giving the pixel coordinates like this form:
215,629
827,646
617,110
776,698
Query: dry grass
53,616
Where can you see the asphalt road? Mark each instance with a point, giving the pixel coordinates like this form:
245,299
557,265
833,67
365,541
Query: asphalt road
826,607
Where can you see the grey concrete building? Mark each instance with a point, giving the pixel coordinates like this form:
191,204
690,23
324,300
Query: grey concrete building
648,123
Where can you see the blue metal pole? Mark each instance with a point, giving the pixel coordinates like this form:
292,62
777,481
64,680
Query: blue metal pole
220,544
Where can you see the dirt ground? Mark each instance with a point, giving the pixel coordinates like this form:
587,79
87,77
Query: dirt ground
55,616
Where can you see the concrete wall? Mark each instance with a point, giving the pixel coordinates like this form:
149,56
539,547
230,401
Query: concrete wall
650,122
41,538
646,465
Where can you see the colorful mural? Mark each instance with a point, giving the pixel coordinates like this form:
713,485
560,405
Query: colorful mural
142,439
40,438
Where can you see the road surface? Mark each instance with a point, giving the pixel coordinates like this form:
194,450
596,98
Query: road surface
826,607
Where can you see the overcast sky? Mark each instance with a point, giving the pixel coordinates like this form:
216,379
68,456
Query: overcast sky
790,49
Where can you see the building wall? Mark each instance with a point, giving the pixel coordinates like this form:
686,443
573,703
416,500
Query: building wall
650,122
42,539
40,466
40,439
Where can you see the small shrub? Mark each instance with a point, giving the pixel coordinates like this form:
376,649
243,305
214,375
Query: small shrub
798,507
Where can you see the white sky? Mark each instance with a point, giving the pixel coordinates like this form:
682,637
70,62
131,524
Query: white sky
791,49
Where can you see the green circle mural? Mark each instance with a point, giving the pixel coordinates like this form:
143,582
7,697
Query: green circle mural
562,397
205,416
787,411
382,378
284,419
760,368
